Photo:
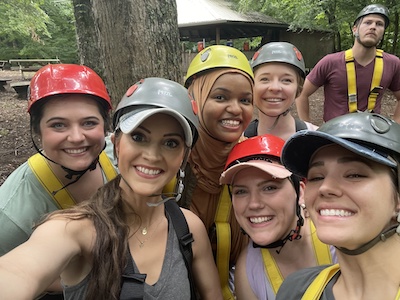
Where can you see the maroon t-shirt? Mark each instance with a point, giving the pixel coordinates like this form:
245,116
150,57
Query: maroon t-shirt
330,72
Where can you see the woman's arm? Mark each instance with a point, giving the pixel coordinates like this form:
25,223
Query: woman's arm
204,270
29,269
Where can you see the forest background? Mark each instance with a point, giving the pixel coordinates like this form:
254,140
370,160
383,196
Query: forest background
126,40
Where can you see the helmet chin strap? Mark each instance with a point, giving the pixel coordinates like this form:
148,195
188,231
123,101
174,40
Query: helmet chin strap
383,236
70,173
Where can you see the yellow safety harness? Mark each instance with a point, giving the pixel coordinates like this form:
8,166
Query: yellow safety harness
321,251
315,289
351,80
223,231
41,168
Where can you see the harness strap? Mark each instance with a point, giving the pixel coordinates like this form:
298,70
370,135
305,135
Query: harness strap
321,252
300,124
351,80
45,175
315,289
223,230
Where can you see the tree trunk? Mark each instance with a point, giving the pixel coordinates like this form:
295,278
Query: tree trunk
87,36
135,38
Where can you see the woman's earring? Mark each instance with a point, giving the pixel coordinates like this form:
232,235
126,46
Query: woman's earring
398,221
306,214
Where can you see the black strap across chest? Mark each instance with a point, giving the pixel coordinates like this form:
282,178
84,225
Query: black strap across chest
133,283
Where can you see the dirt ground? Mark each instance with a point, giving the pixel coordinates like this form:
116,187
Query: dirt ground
16,145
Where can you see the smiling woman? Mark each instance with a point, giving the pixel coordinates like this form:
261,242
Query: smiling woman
279,73
220,80
127,229
266,200
68,107
352,194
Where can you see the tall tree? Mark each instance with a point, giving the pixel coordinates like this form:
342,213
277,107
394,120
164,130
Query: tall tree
87,36
135,40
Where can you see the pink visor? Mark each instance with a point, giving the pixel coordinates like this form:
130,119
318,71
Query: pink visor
276,170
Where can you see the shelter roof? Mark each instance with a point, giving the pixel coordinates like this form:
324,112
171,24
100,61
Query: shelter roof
216,19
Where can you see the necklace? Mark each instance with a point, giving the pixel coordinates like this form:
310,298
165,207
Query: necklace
144,232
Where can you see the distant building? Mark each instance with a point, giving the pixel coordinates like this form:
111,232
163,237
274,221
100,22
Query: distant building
215,20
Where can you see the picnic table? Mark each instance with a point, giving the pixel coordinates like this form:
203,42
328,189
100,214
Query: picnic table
32,65
3,63
3,83
21,87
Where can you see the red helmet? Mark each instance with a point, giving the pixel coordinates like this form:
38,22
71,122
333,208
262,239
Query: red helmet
255,146
256,152
56,79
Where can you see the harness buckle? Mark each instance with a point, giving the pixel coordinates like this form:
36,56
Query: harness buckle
353,98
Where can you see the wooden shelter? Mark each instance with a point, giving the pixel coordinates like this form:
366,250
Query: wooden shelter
213,21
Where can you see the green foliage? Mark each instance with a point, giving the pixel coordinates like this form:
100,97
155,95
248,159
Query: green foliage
37,29
336,16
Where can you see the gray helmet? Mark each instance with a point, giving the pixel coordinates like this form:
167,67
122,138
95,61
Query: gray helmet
157,95
378,9
367,134
279,52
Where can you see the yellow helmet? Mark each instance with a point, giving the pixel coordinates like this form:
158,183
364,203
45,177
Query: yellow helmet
218,56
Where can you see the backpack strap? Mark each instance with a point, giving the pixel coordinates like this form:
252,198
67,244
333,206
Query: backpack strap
300,124
251,130
132,283
315,289
185,239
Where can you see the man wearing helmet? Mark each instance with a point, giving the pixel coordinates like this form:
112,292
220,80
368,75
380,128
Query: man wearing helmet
69,117
356,79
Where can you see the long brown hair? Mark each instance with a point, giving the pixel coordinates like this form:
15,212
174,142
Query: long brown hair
108,212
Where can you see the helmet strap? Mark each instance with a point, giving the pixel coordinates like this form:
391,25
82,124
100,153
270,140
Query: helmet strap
383,236
293,235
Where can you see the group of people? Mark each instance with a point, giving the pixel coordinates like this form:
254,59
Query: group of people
272,207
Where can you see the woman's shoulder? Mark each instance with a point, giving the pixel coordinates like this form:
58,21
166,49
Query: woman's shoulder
191,217
196,225
68,227
21,184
